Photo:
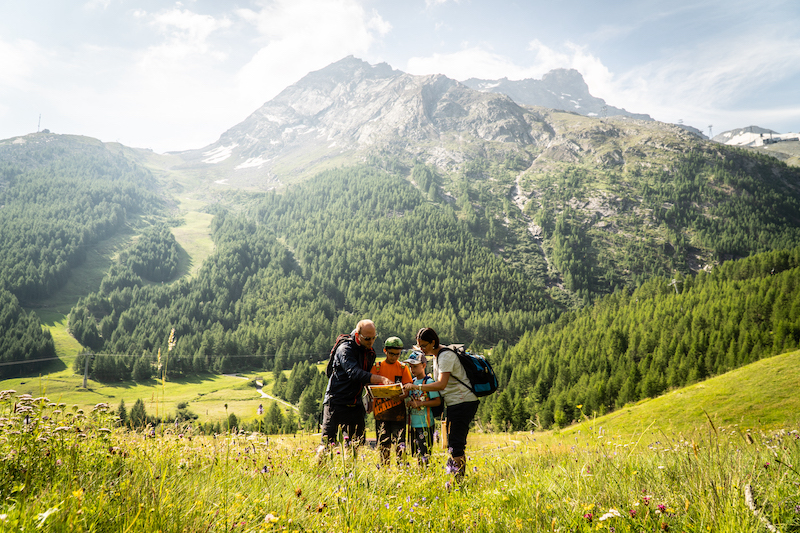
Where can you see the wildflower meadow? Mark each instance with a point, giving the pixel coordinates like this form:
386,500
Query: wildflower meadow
64,469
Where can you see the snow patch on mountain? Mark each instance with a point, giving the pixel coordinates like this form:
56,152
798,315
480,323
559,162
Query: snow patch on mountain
220,154
253,162
753,136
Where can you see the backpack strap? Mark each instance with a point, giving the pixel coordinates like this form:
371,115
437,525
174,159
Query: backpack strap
344,337
455,352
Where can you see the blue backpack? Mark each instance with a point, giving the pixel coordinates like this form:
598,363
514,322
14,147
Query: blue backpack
481,376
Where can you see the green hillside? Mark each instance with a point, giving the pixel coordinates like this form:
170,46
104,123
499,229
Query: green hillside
759,395
663,335
559,258
304,266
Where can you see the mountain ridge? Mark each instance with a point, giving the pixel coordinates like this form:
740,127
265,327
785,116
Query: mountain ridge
351,109
352,105
551,92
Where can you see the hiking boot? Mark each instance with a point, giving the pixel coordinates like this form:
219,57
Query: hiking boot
460,464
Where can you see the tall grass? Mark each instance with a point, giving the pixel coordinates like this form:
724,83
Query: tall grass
66,470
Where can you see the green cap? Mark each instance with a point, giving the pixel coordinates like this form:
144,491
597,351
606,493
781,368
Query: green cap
393,342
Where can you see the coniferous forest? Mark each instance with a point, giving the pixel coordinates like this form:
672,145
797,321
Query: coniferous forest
56,201
638,344
587,313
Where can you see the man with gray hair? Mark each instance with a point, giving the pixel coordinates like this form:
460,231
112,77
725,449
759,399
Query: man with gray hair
348,373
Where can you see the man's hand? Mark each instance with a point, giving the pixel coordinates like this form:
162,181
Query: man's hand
380,380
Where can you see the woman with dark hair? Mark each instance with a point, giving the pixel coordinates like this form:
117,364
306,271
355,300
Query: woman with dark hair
461,403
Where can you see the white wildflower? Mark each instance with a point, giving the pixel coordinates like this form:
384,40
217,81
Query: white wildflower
610,514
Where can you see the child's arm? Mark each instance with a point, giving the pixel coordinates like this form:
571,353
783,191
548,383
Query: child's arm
427,403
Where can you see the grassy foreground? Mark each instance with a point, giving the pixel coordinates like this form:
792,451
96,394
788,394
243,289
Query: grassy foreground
64,469
687,461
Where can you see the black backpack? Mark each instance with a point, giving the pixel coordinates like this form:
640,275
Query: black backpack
482,379
343,337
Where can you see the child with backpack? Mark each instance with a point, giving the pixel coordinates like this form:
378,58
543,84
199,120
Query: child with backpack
421,408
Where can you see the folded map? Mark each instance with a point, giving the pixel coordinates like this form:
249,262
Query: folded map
386,391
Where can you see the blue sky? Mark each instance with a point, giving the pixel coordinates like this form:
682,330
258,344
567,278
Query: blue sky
175,75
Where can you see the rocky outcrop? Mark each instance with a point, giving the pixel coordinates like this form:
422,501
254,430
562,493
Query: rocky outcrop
351,105
563,89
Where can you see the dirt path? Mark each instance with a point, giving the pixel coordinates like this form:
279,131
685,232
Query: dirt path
263,394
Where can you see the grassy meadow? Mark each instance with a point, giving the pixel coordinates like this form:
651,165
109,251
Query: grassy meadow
207,396
194,237
687,461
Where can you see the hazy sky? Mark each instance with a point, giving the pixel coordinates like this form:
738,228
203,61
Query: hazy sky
175,75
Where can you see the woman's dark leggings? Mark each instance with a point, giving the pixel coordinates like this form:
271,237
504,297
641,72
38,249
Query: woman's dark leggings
459,417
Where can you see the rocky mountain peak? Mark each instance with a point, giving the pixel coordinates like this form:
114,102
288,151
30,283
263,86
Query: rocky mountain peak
563,89
351,105
567,78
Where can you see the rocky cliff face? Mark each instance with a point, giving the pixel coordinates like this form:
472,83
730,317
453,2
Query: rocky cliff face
350,106
563,89
351,110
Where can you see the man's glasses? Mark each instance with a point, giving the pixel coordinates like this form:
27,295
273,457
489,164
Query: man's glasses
368,338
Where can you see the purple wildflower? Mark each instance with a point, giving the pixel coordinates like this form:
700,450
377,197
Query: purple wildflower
451,466
265,469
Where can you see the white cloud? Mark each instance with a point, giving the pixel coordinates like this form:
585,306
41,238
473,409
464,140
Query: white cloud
478,62
474,62
21,63
432,3
377,23
185,34
701,85
706,83
91,5
595,73
18,61
300,36
195,76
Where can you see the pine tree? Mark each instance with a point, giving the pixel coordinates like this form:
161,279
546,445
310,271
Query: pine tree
274,419
142,370
232,423
503,411
122,413
138,415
